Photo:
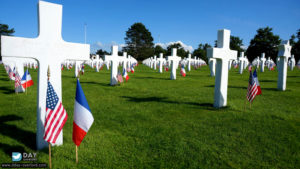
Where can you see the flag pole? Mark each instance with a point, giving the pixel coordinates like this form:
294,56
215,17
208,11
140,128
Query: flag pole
250,105
76,153
50,163
26,82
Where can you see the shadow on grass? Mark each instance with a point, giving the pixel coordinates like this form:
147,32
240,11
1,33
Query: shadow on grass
7,90
4,79
8,149
97,83
267,81
23,136
164,100
293,76
151,78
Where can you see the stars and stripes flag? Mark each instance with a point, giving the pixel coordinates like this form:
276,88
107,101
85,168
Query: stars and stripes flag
125,75
17,80
83,118
11,74
56,115
252,88
119,77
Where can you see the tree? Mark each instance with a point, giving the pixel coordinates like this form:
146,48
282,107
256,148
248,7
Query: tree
158,49
236,44
201,51
4,30
139,42
263,42
296,45
180,50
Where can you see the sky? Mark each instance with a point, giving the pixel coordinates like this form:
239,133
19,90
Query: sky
190,21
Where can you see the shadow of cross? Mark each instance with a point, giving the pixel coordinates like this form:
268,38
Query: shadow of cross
222,54
49,49
22,136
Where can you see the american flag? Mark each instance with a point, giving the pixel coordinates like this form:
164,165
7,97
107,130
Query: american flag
252,88
56,115
17,80
119,77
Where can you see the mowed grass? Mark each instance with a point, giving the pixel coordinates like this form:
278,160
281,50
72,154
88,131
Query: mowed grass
153,122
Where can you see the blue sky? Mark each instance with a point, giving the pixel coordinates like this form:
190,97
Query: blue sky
190,21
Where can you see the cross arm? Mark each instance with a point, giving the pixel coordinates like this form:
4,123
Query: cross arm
219,53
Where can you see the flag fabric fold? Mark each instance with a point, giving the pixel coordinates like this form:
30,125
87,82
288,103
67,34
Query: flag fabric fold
252,88
257,82
56,115
182,71
125,75
26,80
83,118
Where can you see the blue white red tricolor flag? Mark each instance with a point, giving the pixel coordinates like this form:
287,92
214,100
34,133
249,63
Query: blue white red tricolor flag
257,82
83,118
26,80
56,115
132,68
252,88
125,75
182,71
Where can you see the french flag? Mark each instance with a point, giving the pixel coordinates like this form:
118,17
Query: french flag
26,80
132,69
257,83
182,71
83,118
125,75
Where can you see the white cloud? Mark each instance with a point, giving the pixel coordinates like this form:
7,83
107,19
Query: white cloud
105,46
185,47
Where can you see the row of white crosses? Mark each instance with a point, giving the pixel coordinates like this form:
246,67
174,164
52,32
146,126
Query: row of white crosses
292,62
114,59
50,50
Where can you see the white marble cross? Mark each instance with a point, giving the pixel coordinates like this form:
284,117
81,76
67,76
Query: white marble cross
114,60
242,61
49,49
212,66
174,59
124,60
262,61
189,60
222,54
292,63
284,53
160,61
257,62
154,62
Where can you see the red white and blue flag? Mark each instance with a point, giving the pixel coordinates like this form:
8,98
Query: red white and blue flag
125,75
182,71
56,115
18,85
26,80
83,118
11,74
257,82
252,88
132,69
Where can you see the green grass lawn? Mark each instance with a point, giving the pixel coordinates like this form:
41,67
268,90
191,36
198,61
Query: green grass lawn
154,122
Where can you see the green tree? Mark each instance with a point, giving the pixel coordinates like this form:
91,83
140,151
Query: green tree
263,42
296,45
201,51
4,30
180,50
158,49
236,44
139,42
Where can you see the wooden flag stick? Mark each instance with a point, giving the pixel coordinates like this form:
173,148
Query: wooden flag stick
76,154
245,104
250,105
50,164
